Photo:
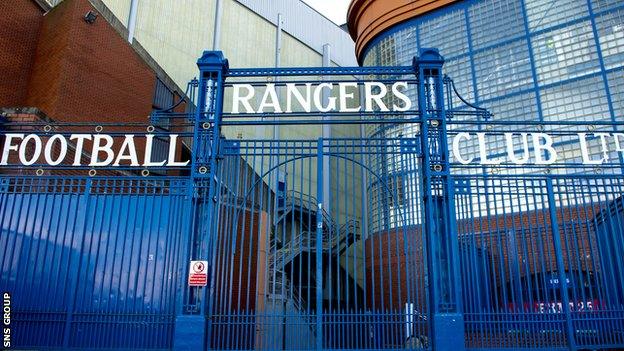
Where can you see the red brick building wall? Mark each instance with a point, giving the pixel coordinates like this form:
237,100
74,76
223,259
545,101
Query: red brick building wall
19,30
70,69
88,71
393,258
388,267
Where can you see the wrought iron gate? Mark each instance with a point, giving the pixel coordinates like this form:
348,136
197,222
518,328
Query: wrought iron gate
322,229
414,248
299,259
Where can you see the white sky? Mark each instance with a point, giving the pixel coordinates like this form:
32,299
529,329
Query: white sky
335,10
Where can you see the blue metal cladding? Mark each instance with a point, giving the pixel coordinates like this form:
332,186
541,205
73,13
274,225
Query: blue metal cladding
92,263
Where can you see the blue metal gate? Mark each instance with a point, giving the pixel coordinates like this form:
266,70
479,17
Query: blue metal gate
91,263
324,229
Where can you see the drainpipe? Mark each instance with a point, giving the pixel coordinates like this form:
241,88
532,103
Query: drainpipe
327,134
216,39
278,63
134,7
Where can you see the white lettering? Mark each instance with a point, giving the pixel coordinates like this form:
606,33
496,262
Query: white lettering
603,143
619,142
511,149
407,102
23,148
172,153
456,152
377,98
47,153
98,147
8,147
585,151
305,102
149,142
80,138
540,148
270,94
238,99
129,148
331,101
344,96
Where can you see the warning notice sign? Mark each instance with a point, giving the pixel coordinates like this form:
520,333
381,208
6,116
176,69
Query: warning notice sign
198,275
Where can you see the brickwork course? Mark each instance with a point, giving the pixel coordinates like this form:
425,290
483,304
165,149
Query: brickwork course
69,69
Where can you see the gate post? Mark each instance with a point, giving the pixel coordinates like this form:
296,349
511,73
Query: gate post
439,223
191,330
320,189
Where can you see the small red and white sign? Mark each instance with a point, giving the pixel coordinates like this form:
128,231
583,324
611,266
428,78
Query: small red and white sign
198,275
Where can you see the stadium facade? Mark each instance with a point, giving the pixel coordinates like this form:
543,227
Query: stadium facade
531,64
522,60
269,196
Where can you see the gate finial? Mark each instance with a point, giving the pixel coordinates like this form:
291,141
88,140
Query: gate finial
211,60
428,56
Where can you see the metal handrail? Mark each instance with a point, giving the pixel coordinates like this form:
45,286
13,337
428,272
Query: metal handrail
311,204
306,239
299,304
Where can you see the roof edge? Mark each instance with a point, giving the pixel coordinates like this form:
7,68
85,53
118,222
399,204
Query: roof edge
367,19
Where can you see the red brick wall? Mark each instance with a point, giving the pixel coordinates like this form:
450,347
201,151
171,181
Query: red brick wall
246,258
240,281
19,28
88,71
388,267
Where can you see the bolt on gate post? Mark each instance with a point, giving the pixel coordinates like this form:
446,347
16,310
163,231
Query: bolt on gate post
439,224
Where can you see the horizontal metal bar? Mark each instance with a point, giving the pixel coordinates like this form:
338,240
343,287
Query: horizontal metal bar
320,71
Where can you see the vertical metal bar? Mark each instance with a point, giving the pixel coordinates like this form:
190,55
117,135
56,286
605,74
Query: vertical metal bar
563,285
196,330
439,210
527,30
319,245
215,66
75,268
216,33
364,174
278,63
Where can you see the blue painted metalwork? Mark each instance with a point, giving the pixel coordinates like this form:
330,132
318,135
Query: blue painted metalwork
416,250
92,263
439,210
